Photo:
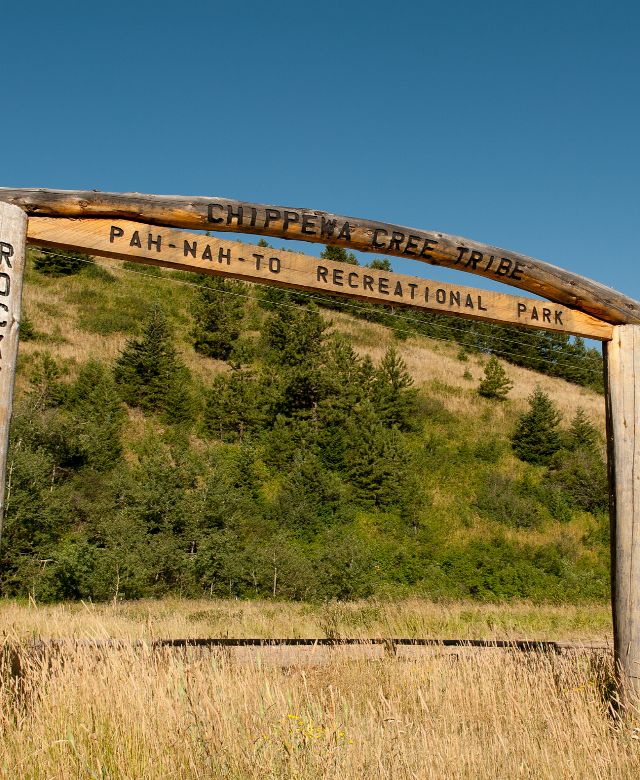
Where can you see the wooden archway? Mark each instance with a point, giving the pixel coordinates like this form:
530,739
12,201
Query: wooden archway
147,229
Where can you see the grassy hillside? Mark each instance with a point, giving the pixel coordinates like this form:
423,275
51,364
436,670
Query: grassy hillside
472,520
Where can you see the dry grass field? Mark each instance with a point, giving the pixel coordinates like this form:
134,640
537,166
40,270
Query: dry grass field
127,712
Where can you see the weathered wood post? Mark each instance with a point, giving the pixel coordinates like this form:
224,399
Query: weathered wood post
622,376
13,237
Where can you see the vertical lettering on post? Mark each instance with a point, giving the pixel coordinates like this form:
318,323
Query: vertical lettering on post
13,235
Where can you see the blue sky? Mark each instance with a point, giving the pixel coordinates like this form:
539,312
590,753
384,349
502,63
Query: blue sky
513,123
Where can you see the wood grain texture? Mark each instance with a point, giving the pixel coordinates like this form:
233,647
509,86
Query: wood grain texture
622,367
13,233
204,254
222,214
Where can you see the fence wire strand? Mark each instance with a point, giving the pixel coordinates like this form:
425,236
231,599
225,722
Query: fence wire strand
388,310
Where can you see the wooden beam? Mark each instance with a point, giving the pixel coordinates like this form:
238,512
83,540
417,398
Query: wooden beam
198,252
13,234
622,375
223,214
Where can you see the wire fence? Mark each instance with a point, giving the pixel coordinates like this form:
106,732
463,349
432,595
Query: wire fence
362,310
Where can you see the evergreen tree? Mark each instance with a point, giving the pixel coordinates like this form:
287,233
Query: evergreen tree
393,394
536,437
496,383
238,404
27,329
99,414
218,310
338,254
380,264
61,263
377,460
582,433
149,373
295,336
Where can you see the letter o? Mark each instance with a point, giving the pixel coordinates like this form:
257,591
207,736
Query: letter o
7,284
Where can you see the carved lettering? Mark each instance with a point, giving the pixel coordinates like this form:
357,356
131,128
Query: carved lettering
215,220
6,252
288,217
271,215
238,215
327,227
345,232
374,241
115,232
308,225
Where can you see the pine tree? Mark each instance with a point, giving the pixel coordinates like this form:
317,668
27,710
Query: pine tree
380,264
238,404
218,310
496,383
295,336
377,461
393,394
338,254
150,374
582,433
99,414
536,437
61,263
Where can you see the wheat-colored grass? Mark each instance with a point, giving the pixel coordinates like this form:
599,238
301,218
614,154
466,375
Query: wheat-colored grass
138,714
173,618
434,364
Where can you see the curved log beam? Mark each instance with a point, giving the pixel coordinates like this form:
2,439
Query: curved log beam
222,214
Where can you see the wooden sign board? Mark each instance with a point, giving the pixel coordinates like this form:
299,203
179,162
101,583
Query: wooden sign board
428,246
205,254
100,223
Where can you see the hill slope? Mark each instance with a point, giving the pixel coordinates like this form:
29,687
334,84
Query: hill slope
110,499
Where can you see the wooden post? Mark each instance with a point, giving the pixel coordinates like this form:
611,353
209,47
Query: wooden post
13,237
622,377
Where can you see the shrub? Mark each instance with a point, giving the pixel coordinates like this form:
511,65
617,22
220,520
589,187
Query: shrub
60,262
509,503
582,475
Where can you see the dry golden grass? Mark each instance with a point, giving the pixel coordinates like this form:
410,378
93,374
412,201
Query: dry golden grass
140,714
180,618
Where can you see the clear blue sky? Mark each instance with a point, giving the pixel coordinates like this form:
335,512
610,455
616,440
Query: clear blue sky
514,123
